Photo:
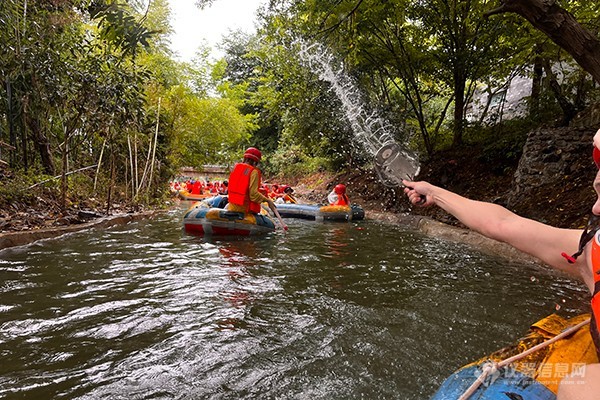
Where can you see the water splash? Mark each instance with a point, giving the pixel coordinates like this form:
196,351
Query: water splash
370,129
392,161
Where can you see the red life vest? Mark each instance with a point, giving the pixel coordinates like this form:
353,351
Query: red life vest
342,200
197,188
239,187
595,323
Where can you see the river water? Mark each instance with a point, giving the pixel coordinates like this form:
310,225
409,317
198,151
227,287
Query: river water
326,311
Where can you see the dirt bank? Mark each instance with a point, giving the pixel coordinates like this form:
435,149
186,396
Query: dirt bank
24,237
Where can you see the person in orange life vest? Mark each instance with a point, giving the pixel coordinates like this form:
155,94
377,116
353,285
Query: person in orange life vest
244,181
287,195
338,196
274,191
197,187
580,253
265,190
212,189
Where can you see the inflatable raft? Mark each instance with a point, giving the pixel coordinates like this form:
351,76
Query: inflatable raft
320,212
529,376
185,195
209,217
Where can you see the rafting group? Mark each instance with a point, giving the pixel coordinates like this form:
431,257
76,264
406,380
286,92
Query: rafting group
244,208
197,189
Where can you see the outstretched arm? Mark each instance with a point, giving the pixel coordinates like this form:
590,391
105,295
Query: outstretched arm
496,222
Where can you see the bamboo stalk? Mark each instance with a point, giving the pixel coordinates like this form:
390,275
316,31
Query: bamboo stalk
155,142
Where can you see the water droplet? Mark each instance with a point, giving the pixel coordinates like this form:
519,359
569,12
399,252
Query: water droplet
533,279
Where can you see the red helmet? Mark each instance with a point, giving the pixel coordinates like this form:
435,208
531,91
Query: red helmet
253,153
596,155
340,189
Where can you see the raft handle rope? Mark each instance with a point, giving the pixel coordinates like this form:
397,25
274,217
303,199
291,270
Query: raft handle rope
493,366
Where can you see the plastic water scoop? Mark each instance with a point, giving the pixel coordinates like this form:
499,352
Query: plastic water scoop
394,163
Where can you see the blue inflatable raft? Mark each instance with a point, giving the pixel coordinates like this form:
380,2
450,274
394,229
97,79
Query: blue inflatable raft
320,212
531,368
209,217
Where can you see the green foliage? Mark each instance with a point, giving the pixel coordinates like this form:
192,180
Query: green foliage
209,130
78,84
15,190
294,162
119,27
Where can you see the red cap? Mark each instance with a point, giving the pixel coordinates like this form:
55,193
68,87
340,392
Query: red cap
253,154
596,155
340,189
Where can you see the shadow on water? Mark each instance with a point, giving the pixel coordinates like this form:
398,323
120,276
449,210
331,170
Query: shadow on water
328,310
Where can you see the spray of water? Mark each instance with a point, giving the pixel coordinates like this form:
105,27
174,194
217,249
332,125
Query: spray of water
392,161
371,130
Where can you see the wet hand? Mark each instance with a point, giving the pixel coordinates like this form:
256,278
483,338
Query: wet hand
418,193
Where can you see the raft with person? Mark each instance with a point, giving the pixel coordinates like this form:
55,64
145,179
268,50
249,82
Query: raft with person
320,212
185,195
531,368
209,217
338,209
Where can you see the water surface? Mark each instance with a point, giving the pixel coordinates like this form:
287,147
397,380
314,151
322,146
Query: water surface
326,311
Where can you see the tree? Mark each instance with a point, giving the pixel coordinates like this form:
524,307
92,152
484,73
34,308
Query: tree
561,27
210,129
430,52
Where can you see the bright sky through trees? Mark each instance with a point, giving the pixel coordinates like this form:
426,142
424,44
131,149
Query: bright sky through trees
193,25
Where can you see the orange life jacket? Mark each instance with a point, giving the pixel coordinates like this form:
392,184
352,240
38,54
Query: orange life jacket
197,187
595,323
342,200
239,187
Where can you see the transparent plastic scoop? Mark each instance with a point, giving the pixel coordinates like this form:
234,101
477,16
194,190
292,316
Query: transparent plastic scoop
394,163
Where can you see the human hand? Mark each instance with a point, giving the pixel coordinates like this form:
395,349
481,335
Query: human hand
274,209
419,193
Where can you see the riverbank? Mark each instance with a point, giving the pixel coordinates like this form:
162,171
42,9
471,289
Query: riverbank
24,237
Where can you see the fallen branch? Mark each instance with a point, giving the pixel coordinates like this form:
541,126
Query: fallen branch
58,176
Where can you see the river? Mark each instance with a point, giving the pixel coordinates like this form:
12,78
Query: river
326,311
